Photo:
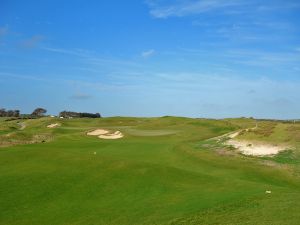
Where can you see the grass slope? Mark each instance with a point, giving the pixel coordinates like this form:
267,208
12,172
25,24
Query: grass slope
159,173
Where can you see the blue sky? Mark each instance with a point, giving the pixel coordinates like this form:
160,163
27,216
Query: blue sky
195,58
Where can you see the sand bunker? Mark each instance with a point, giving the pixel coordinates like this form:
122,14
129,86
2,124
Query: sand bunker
256,149
115,135
253,148
98,132
105,134
53,125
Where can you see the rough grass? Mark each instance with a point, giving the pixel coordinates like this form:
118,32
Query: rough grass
178,178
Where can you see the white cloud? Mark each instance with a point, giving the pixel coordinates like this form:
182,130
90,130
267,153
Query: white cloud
148,53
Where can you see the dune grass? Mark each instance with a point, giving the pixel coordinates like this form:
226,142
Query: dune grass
155,177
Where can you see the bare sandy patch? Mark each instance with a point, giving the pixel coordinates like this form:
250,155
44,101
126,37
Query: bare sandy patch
53,125
225,136
98,132
256,149
233,135
22,125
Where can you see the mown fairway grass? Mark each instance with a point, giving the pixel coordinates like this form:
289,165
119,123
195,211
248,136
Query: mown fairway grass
163,174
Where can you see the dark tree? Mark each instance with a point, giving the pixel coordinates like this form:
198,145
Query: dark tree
9,113
68,114
38,112
2,112
16,113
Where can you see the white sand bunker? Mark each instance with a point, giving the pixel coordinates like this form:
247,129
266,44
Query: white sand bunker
256,149
53,125
98,132
105,134
115,135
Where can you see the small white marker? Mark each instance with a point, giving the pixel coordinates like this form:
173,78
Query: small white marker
268,192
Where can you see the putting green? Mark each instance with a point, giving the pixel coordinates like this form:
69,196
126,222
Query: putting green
139,132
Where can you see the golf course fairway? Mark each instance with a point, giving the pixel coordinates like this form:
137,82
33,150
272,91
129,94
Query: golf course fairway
167,170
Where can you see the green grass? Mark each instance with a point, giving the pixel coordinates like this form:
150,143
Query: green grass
162,172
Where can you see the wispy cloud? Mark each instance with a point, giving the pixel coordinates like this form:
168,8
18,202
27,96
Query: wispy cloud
78,83
91,58
233,7
147,54
24,77
263,58
226,56
75,52
81,96
107,61
288,5
184,8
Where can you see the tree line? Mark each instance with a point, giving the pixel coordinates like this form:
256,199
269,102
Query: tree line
40,112
9,113
69,114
